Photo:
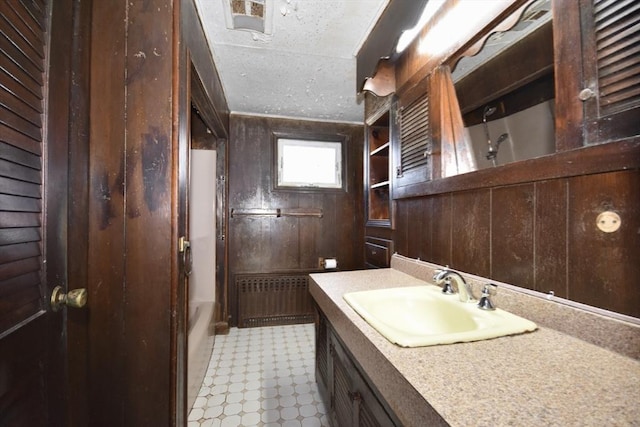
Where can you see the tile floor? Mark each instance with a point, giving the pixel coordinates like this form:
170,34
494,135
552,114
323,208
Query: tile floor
261,377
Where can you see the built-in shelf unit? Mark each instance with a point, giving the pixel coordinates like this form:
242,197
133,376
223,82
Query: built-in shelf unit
377,169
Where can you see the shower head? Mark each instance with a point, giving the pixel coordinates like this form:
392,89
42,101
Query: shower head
487,112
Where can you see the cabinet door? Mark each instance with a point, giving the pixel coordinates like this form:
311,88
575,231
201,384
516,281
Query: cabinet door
412,148
368,411
611,62
322,355
342,407
353,403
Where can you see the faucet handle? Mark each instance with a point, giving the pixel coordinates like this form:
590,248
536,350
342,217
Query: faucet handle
485,302
439,273
447,288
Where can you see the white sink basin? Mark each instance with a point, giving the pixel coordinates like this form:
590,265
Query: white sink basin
419,316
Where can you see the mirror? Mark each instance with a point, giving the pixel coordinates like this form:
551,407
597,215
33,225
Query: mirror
505,89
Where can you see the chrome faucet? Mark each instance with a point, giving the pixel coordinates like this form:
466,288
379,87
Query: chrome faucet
485,302
464,289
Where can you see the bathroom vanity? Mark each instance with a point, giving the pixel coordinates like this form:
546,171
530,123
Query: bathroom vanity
552,376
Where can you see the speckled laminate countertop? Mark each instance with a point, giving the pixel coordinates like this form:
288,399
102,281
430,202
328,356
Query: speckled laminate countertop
542,378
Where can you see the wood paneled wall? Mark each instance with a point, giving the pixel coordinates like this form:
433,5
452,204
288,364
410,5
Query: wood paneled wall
130,216
538,235
289,244
128,180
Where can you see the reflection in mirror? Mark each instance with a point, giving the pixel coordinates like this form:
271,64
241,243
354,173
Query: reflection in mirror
506,90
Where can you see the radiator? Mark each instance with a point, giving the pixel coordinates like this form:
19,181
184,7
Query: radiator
270,300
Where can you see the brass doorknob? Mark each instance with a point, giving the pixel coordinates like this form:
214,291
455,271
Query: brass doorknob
75,298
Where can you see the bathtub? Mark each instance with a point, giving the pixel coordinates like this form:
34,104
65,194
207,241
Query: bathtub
200,346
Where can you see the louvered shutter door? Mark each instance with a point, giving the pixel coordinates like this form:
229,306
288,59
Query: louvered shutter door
414,135
617,31
612,68
412,155
22,45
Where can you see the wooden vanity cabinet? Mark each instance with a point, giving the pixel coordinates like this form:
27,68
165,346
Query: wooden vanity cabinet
349,399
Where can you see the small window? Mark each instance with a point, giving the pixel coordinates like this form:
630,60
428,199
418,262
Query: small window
309,164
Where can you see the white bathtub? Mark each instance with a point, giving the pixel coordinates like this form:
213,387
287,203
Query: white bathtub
200,344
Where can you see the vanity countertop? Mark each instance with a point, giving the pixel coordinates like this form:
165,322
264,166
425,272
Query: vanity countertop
539,378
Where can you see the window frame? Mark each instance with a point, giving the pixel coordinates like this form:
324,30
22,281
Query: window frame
313,138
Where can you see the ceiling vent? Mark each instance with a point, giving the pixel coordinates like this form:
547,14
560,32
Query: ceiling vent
249,15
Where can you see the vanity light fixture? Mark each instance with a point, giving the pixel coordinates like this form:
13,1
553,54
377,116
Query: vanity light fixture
462,15
249,15
408,36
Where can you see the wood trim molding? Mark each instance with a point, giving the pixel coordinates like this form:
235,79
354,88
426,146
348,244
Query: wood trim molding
614,156
383,82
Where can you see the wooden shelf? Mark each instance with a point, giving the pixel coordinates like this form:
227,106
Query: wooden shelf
383,150
379,185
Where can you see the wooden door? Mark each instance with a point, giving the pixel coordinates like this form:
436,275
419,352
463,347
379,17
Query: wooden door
34,120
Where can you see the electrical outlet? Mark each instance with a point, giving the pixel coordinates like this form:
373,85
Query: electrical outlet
608,222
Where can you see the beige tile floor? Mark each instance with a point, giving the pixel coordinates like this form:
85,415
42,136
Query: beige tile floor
261,377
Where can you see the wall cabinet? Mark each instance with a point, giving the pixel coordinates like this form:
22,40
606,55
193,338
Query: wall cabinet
380,138
349,399
597,68
377,166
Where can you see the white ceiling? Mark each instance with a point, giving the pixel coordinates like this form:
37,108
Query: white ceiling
305,69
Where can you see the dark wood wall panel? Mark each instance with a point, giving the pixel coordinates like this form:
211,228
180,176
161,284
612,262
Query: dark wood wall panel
442,223
539,235
317,238
130,199
269,244
243,246
401,227
605,267
419,237
470,227
148,207
550,239
106,212
512,221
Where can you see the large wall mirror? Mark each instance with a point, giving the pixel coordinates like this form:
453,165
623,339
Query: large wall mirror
505,89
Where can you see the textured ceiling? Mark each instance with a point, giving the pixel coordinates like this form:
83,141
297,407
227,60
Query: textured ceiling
305,69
